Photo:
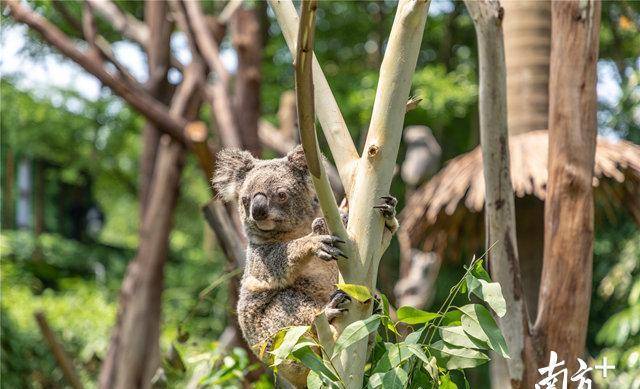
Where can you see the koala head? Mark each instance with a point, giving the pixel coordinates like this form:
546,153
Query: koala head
276,199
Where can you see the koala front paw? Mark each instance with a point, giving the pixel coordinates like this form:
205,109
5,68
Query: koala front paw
325,247
388,211
388,207
339,301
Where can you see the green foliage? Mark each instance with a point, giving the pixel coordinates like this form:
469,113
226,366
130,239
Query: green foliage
437,345
620,333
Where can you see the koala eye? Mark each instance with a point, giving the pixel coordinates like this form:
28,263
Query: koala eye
245,200
282,195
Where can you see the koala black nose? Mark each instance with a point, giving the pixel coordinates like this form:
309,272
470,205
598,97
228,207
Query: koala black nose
259,207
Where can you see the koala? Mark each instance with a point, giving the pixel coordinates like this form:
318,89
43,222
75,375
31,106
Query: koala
290,271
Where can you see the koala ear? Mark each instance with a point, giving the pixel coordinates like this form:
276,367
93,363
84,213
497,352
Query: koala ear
296,159
232,166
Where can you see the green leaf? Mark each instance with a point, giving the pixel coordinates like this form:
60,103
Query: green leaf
456,336
291,337
446,383
479,272
414,337
432,368
358,292
396,354
418,352
385,304
314,362
355,332
411,315
477,322
314,381
420,380
458,357
396,378
490,292
452,318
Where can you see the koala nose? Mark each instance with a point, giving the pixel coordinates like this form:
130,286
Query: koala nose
259,207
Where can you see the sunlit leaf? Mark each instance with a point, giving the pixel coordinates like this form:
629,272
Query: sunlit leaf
411,315
477,322
456,336
458,357
355,332
396,354
490,292
358,292
291,337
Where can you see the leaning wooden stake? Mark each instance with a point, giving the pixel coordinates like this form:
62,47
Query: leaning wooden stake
373,171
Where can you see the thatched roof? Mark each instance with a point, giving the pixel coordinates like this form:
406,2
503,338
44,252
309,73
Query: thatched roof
436,207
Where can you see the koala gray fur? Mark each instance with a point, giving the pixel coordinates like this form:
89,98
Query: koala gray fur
285,281
290,271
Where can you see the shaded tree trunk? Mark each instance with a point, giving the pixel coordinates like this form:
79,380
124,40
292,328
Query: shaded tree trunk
247,38
565,291
158,86
8,214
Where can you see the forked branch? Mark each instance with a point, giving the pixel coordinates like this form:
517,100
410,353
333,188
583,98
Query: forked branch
306,119
333,125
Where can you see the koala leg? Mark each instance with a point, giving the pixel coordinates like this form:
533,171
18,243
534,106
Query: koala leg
337,305
388,211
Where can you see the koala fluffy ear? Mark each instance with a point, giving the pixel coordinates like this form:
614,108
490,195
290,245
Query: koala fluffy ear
297,160
232,166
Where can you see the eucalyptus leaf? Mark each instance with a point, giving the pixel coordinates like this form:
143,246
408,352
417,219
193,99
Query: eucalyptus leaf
490,292
355,332
396,378
358,292
411,315
458,357
456,336
311,360
477,322
396,354
446,383
291,337
418,352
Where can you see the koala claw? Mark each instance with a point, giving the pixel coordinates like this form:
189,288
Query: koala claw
327,249
388,207
337,305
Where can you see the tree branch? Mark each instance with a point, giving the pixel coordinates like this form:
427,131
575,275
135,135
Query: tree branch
123,22
306,120
201,37
333,125
68,371
138,98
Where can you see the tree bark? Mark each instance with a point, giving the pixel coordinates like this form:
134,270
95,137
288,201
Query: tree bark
133,355
565,291
499,203
246,36
158,50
